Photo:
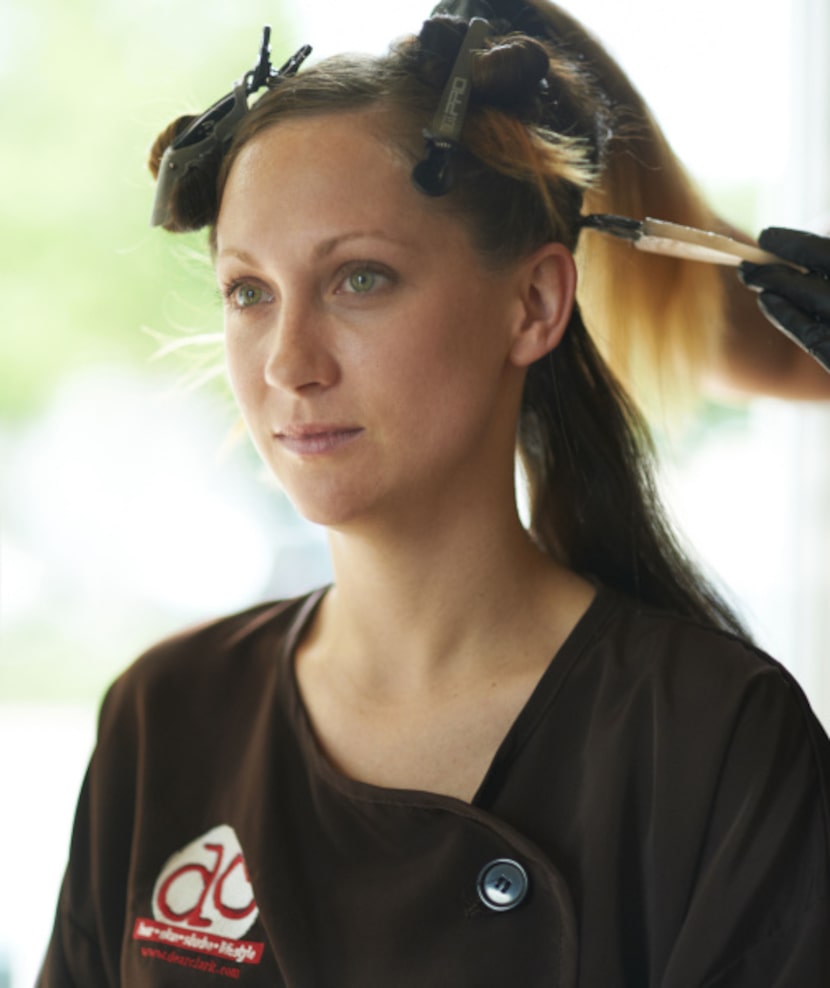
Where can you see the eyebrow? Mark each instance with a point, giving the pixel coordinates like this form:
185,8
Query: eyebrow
329,246
240,255
323,249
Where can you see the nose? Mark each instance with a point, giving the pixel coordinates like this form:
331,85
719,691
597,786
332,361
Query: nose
299,356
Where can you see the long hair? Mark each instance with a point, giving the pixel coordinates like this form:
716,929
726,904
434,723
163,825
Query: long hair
657,320
539,140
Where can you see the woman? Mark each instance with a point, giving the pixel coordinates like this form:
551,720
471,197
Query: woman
486,755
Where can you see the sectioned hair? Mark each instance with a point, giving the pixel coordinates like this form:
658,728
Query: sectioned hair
545,138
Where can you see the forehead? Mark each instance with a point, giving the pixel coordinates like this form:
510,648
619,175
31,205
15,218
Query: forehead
305,173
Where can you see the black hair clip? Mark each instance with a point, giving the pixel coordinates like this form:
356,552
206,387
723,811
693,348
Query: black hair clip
505,15
434,176
465,9
216,126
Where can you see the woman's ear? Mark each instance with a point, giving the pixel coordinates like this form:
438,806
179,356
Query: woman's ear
548,287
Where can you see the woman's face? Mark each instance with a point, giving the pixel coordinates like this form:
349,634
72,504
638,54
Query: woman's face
368,344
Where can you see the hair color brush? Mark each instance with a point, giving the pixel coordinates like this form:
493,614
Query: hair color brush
675,240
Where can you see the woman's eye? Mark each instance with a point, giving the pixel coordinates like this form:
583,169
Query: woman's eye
363,280
244,295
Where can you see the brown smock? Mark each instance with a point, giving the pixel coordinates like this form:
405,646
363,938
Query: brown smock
656,816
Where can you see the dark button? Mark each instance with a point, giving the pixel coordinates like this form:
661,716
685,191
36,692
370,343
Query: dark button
502,884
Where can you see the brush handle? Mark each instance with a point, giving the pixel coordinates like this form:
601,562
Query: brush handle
676,240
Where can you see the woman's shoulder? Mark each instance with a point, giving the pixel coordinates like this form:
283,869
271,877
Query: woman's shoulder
659,641
210,663
689,667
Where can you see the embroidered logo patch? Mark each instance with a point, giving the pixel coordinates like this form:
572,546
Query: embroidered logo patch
203,902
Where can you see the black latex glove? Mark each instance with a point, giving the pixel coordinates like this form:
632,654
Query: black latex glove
798,304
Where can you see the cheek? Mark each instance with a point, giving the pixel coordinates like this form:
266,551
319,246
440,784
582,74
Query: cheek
243,372
447,379
460,342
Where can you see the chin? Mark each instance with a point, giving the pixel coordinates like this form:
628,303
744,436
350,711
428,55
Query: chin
332,508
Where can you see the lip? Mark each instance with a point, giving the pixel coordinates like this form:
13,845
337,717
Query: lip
316,438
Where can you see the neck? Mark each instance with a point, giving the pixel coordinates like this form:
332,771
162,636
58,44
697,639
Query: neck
422,605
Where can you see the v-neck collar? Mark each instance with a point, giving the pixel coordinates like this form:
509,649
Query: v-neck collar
545,693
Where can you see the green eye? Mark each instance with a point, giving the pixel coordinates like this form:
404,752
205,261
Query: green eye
362,281
244,296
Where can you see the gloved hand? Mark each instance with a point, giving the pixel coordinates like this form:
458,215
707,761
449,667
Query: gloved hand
797,303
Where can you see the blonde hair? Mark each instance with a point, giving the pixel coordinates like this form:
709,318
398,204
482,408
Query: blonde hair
657,319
